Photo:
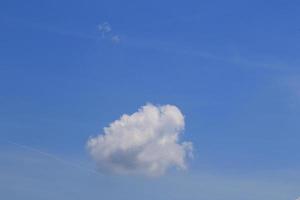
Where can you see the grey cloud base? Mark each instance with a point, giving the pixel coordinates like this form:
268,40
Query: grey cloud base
144,143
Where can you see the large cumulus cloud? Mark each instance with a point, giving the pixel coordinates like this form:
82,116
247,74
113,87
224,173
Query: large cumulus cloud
145,142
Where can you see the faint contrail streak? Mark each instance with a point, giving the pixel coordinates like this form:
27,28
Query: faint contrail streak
52,156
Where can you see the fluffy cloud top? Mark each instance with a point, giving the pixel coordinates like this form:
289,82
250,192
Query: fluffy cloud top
146,142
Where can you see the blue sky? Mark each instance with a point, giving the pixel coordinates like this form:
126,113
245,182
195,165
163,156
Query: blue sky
232,67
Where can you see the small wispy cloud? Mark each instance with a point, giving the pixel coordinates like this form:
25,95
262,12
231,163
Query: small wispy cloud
115,39
52,156
143,143
106,32
104,28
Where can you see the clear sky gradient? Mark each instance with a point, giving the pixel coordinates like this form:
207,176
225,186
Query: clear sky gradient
232,67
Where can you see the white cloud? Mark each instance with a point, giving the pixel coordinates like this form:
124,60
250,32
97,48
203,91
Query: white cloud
104,28
145,142
116,39
108,34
